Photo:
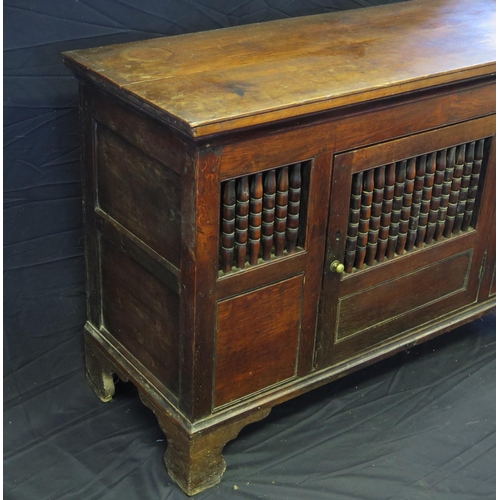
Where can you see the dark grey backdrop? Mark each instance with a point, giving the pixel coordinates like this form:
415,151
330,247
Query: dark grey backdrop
418,426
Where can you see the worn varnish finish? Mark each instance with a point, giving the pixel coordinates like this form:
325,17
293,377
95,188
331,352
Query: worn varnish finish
345,57
211,224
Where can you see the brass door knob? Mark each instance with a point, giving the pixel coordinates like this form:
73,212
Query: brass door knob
337,267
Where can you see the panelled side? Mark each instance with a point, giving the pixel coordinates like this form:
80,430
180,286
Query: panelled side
132,200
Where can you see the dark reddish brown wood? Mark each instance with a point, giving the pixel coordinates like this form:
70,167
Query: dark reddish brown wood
264,215
475,176
228,225
338,214
413,210
247,362
199,269
164,74
381,319
257,276
195,461
257,191
352,128
424,143
242,210
141,313
487,289
294,194
425,290
194,455
315,199
281,211
138,250
192,284
133,188
161,143
354,219
268,214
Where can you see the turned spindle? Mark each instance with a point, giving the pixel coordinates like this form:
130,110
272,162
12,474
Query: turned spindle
385,220
367,218
409,186
435,167
242,210
416,200
256,193
473,161
387,209
446,193
228,224
354,218
376,242
268,214
458,195
292,223
281,211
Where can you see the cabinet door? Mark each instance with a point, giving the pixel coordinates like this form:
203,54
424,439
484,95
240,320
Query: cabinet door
409,221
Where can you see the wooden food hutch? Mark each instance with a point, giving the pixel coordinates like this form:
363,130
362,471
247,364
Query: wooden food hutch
270,207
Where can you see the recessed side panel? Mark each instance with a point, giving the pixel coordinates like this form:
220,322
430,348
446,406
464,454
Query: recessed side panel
141,313
400,306
257,339
394,299
139,192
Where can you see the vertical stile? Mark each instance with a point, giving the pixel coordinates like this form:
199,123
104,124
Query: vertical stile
256,192
268,214
354,218
228,223
281,211
242,209
292,225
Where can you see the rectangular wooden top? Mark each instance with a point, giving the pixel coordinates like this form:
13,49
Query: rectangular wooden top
221,80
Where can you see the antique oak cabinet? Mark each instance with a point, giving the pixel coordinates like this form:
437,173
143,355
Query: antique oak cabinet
270,207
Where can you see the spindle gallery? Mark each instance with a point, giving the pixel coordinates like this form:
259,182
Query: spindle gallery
271,207
261,221
417,201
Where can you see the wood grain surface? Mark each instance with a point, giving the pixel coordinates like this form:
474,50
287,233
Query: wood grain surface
216,81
